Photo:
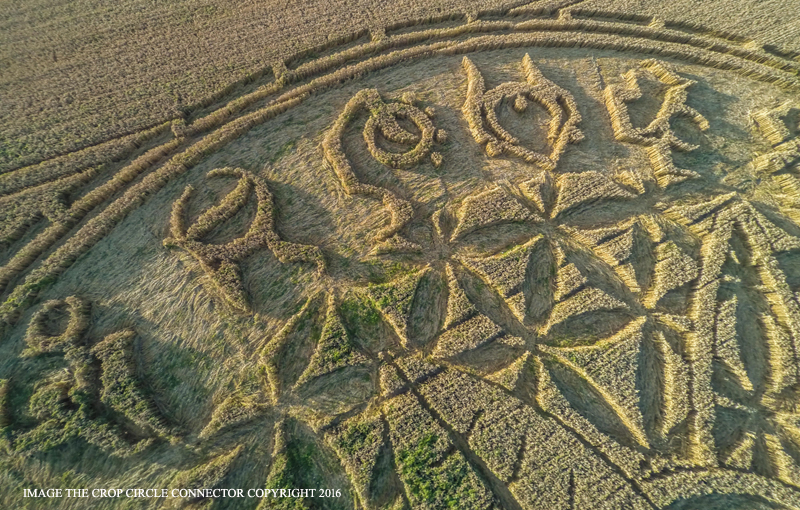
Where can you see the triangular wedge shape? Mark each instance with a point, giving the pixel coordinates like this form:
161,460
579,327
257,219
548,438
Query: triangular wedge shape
459,307
673,269
394,299
585,187
610,366
509,376
586,300
358,442
506,272
491,207
468,335
334,350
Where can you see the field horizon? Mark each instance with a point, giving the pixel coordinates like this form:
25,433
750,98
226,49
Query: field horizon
535,255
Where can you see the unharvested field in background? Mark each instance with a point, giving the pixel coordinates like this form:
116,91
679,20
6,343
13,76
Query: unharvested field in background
541,259
73,74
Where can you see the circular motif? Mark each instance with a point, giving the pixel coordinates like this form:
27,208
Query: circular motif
535,263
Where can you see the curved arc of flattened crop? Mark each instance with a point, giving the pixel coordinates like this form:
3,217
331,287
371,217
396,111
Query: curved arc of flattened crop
673,486
657,138
623,414
219,261
382,121
480,108
702,50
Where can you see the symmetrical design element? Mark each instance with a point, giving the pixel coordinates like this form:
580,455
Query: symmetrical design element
574,295
383,123
657,138
609,366
394,300
742,305
492,207
540,330
506,273
480,110
465,328
335,349
314,345
219,261
577,189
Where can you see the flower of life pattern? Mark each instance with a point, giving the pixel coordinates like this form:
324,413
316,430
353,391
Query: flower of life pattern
553,334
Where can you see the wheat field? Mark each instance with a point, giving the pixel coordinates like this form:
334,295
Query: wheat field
529,256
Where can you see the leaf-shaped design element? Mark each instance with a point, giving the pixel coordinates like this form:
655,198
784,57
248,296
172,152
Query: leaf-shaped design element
465,328
740,455
358,442
610,366
300,327
726,344
302,457
784,370
539,190
657,138
470,334
459,307
480,110
624,247
311,348
615,441
568,280
676,385
673,269
219,261
777,166
575,296
700,217
284,470
509,376
738,265
383,121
